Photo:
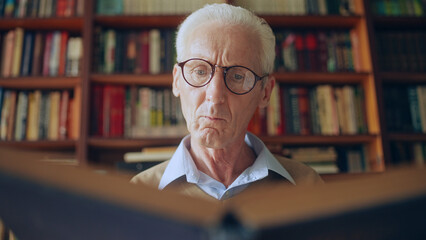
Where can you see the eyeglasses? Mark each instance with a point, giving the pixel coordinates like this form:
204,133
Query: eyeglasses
238,79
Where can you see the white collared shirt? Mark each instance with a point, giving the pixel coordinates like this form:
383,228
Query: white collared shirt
182,164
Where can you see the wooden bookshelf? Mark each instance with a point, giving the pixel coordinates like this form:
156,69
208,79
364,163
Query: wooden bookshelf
369,77
403,25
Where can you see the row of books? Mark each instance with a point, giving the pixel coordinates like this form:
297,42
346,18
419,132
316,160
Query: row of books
320,110
405,107
137,52
409,153
398,7
134,112
330,159
317,51
41,8
150,7
37,115
401,51
299,7
324,159
28,53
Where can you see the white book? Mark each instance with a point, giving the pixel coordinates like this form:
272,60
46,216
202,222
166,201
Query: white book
42,9
74,55
421,96
21,116
273,112
54,54
349,98
5,114
419,159
154,51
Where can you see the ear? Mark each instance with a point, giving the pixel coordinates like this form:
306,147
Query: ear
266,92
175,84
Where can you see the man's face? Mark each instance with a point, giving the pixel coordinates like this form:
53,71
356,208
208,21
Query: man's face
215,116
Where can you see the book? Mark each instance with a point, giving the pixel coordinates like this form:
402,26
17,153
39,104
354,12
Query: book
12,115
8,54
37,54
150,154
154,51
413,99
17,52
63,115
34,118
54,111
21,116
27,54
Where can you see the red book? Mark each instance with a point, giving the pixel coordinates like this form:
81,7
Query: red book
312,52
46,55
322,52
69,8
145,52
117,111
97,117
60,8
300,49
304,111
63,53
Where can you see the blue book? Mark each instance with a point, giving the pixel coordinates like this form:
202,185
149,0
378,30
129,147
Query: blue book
414,108
110,7
27,54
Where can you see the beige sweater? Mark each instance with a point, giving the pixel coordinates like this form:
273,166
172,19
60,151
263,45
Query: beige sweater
302,175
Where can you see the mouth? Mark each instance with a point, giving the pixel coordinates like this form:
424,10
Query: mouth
214,119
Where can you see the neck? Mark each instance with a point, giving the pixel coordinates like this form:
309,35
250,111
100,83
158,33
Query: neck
224,165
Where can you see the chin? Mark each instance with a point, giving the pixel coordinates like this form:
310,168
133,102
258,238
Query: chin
212,138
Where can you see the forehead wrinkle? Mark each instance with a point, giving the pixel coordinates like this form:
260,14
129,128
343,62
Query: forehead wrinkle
212,42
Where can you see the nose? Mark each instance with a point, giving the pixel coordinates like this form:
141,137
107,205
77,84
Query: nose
216,90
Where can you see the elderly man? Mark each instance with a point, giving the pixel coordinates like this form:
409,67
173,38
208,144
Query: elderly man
225,56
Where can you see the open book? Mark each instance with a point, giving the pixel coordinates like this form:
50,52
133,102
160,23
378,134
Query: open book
44,201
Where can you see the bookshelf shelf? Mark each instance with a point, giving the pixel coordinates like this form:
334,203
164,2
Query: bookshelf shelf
319,139
40,82
329,21
321,77
120,143
172,21
396,37
159,21
398,22
164,80
407,137
73,24
403,78
42,144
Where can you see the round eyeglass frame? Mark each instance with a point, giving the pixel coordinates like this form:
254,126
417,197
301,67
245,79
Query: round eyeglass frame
225,70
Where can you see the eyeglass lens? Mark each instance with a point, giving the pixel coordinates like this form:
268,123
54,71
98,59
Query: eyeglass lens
238,79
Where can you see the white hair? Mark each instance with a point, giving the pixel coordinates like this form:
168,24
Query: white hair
230,15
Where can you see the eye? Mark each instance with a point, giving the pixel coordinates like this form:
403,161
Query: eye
200,71
238,77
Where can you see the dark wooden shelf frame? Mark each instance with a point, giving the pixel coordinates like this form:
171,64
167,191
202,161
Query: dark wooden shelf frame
40,82
72,24
42,144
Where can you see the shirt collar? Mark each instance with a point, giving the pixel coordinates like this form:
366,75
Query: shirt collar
182,164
